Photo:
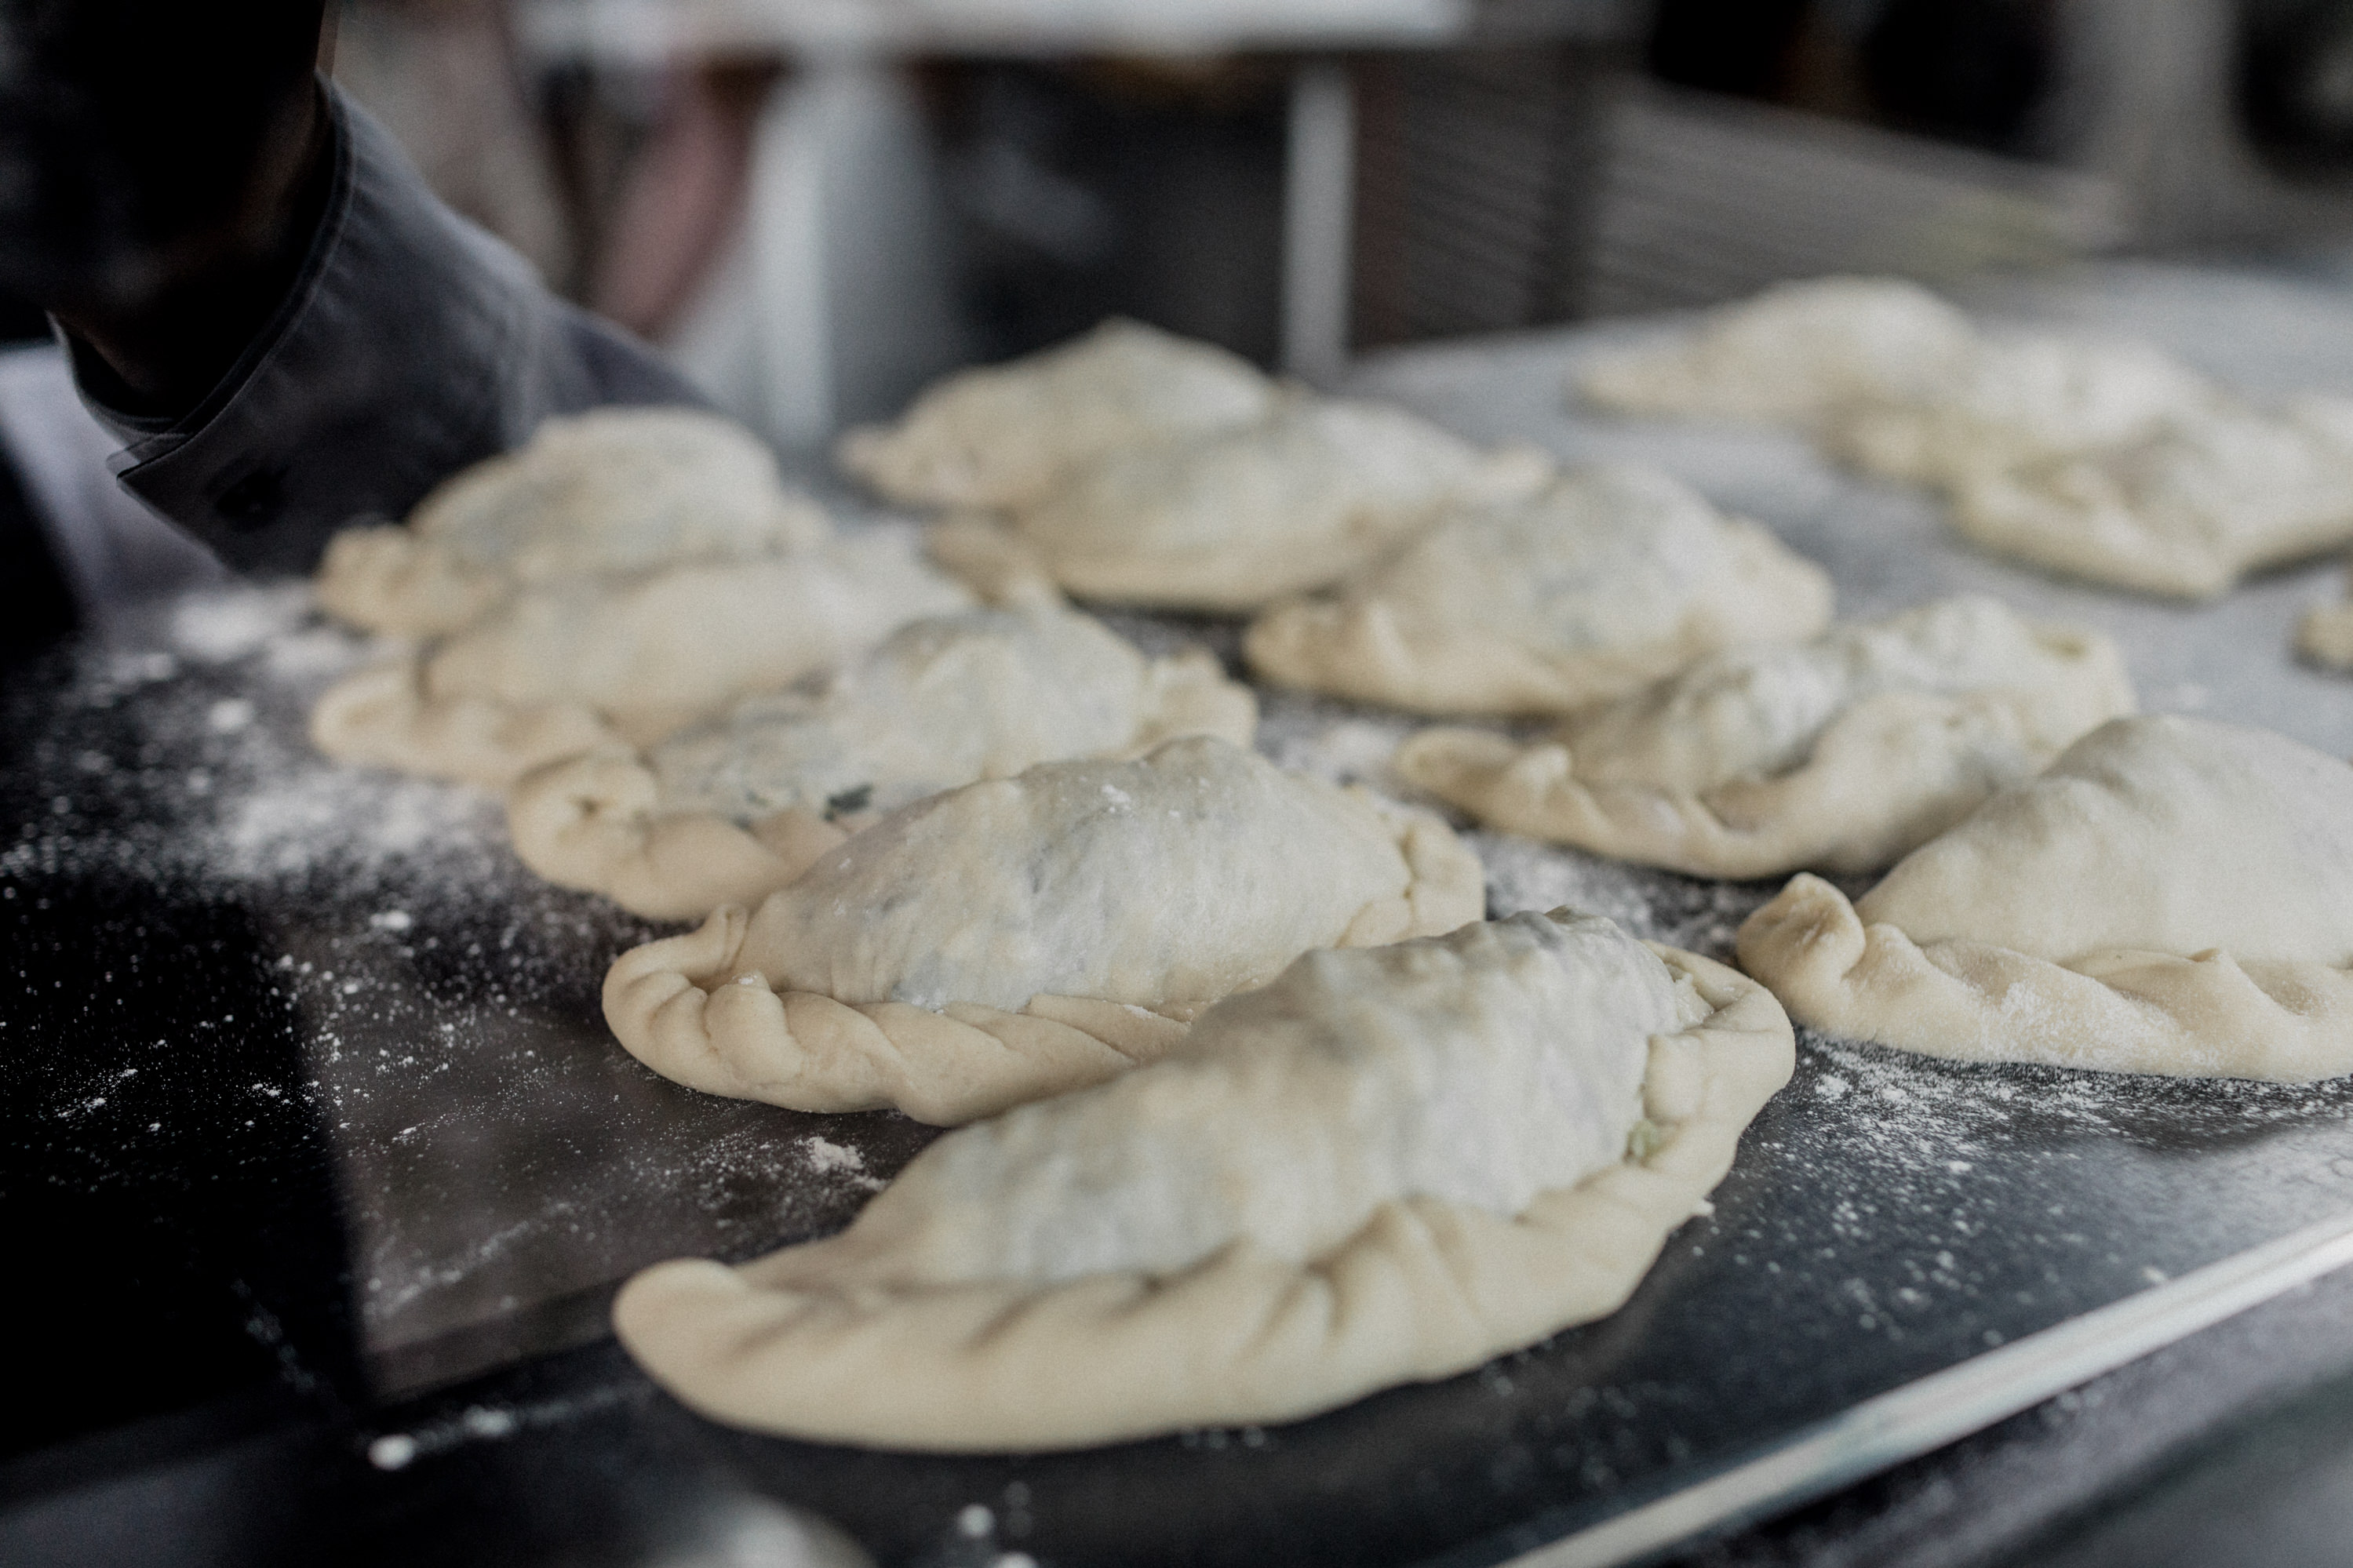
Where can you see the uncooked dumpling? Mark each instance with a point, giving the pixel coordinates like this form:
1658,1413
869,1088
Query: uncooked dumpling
734,808
2187,510
1609,578
1794,355
1840,755
1235,519
587,661
2019,399
611,490
2173,895
1022,936
1005,435
1387,1166
1283,1216
2326,634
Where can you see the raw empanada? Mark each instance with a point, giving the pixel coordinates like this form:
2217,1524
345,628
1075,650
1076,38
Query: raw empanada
733,809
2173,895
1387,1166
2326,635
2187,510
1609,578
1794,355
1005,435
611,490
1843,754
1022,936
1235,519
588,661
2020,399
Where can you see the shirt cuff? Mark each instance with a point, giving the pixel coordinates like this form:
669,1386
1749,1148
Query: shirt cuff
412,344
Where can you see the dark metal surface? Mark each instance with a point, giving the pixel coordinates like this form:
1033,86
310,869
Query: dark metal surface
305,1058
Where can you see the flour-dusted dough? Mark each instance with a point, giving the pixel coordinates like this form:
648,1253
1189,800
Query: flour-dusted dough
1842,753
2174,895
2326,634
1235,519
611,490
730,811
2020,399
586,661
1006,434
1022,936
2186,511
1385,1167
1609,578
1795,355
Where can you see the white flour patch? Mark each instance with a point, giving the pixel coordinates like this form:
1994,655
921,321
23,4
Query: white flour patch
224,624
826,1158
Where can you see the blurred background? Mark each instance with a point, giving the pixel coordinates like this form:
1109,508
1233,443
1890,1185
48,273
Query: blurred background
813,205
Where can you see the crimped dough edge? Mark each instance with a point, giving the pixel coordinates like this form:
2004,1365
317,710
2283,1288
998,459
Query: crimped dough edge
386,578
594,822
1423,1290
383,717
1868,795
2111,545
681,1006
2203,1015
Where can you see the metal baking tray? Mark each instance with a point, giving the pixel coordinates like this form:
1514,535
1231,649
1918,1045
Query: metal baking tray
1906,1249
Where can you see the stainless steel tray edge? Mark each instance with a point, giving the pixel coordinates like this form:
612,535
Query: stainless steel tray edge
1944,1406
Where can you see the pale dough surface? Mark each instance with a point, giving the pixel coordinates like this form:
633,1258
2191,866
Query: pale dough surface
2186,511
1017,937
1387,1166
2019,399
2325,636
1842,753
733,809
1796,353
2173,895
1606,580
584,662
1235,518
611,490
1005,435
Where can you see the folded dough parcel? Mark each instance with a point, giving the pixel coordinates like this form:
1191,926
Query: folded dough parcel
1609,577
2172,895
608,491
1838,754
1388,1165
1006,434
580,662
2107,460
1017,937
735,809
1230,520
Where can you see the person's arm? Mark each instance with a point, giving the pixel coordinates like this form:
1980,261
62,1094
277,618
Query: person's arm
409,345
258,292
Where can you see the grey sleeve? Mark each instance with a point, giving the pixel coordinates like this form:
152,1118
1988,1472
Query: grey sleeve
412,344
